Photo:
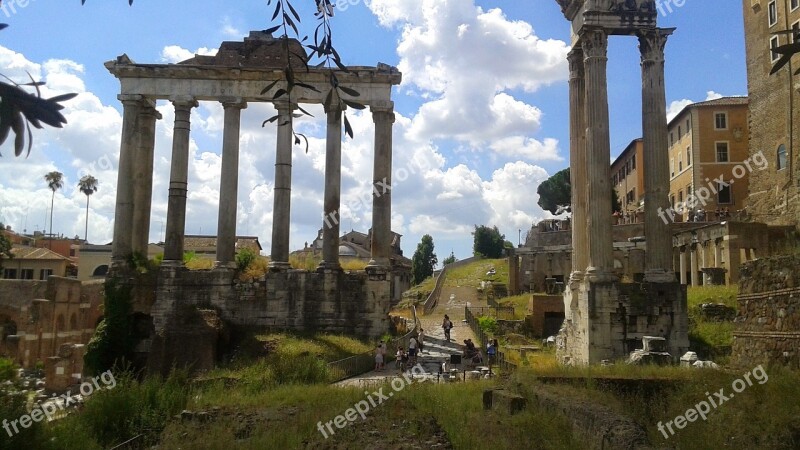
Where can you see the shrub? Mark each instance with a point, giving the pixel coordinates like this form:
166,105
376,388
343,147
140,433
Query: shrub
244,258
113,340
488,325
8,370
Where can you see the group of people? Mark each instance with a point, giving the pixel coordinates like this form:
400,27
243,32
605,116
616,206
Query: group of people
403,358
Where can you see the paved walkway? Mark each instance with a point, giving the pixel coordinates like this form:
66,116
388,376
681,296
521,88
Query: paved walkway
436,349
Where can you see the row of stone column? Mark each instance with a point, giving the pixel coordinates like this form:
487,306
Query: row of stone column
134,185
590,157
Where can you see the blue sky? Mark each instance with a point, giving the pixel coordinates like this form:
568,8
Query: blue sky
484,103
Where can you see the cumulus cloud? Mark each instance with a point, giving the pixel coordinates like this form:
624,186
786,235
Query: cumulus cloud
172,54
677,106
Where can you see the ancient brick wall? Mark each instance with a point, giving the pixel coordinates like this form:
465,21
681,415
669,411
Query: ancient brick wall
768,320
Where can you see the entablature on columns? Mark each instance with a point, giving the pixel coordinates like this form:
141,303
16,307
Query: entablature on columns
617,17
163,81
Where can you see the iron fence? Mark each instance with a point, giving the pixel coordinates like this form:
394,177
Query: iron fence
471,314
365,362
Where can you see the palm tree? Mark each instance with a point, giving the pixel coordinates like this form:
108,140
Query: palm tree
87,185
55,181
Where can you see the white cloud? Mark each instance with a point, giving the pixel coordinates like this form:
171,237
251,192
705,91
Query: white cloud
172,54
677,106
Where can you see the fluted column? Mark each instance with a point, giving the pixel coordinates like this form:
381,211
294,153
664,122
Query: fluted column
656,156
693,265
281,211
143,178
333,187
383,116
178,181
122,247
577,162
229,184
598,148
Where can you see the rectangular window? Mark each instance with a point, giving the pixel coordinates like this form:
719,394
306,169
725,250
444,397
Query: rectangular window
679,133
672,167
680,196
689,191
680,163
671,139
45,273
688,128
633,162
721,121
722,152
794,4
774,42
26,274
724,196
10,274
781,158
796,30
772,13
688,156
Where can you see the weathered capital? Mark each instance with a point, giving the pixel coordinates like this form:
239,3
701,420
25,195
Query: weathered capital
334,110
284,107
149,110
652,43
126,98
594,42
233,102
385,106
576,66
184,101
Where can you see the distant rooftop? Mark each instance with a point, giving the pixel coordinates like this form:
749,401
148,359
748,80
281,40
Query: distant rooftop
42,254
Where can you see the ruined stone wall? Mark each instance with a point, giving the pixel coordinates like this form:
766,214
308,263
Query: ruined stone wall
768,320
336,302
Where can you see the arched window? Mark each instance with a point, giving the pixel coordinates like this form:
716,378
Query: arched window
100,271
781,157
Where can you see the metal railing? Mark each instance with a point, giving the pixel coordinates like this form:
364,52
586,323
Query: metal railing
365,362
472,320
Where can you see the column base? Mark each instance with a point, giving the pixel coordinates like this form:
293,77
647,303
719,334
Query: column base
383,265
172,263
224,265
659,276
597,275
326,266
277,266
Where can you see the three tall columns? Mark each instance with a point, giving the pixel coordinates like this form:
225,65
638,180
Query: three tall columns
591,152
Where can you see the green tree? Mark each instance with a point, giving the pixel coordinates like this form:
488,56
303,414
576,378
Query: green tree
424,260
55,181
450,259
488,242
555,193
5,249
87,185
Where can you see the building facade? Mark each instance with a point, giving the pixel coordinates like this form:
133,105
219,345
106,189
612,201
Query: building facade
707,142
774,107
628,178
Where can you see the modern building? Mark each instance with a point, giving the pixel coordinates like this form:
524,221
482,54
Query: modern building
628,178
708,146
774,110
31,263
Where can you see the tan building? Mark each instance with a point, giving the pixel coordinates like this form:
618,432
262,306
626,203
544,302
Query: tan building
627,177
774,110
94,260
31,263
708,146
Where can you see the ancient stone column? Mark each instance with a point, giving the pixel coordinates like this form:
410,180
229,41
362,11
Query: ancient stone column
598,148
143,178
656,156
683,265
122,246
693,265
281,212
383,116
577,162
229,184
333,187
178,181
717,253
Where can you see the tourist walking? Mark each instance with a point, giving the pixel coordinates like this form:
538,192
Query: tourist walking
447,325
421,339
378,357
491,351
413,347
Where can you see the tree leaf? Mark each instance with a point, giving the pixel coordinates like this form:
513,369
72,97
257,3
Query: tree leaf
279,93
270,120
307,86
347,128
349,91
269,86
353,104
272,29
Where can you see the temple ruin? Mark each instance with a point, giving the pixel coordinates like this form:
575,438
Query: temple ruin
325,300
606,318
